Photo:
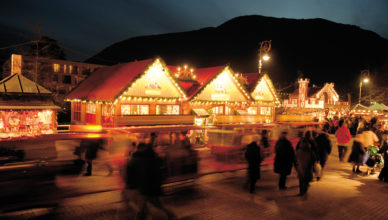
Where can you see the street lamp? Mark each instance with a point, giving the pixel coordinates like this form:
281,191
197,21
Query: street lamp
364,78
265,47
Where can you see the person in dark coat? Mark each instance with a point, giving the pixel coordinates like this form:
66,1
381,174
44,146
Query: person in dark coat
305,158
284,159
264,143
144,174
357,155
91,148
254,157
354,126
384,152
323,146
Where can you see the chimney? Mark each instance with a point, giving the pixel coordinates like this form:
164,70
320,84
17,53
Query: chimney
16,64
303,88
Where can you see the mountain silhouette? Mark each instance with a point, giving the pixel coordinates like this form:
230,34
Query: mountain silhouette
321,50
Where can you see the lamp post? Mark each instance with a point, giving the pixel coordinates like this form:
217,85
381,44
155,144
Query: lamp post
364,78
265,47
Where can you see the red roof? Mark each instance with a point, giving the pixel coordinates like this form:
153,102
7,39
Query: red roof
252,79
190,87
203,75
106,83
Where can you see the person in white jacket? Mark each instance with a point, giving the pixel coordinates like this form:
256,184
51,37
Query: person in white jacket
368,139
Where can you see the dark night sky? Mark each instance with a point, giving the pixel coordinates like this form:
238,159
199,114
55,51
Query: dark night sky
87,27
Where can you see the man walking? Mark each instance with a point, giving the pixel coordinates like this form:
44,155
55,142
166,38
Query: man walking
284,159
144,175
254,157
324,147
305,159
92,147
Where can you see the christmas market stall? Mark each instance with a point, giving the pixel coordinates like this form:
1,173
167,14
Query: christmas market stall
219,92
134,93
264,96
381,112
26,108
378,108
360,110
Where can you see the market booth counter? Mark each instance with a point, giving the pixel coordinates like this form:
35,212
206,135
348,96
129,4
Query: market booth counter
26,108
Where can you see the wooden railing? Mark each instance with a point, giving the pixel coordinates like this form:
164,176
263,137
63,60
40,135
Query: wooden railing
294,118
129,120
245,119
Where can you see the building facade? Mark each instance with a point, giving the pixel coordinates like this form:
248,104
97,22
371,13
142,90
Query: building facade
58,76
149,92
316,102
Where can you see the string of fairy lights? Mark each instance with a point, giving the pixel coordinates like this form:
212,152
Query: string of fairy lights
186,73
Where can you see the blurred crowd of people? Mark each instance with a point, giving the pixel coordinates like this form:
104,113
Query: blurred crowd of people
151,159
309,157
147,168
368,141
369,145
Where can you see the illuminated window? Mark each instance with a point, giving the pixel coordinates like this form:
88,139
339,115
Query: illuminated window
134,109
56,67
107,110
70,69
64,68
227,110
167,109
91,108
265,111
77,111
218,110
252,110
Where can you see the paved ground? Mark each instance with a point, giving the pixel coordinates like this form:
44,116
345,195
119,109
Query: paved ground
339,195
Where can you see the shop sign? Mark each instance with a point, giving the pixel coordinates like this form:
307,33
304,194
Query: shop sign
152,88
220,93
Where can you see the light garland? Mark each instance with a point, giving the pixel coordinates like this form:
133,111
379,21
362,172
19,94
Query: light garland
126,97
242,89
90,101
168,74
